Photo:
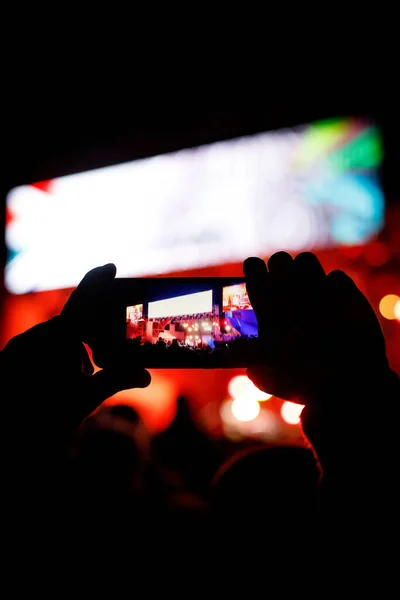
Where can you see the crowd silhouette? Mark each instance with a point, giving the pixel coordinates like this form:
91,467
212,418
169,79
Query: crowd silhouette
87,489
239,352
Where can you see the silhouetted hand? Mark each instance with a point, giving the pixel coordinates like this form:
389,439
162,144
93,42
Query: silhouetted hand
50,380
315,330
321,345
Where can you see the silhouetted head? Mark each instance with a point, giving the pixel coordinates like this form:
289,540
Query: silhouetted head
270,491
111,456
186,450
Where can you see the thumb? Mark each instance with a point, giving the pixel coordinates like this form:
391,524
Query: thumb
356,316
99,275
268,380
300,384
94,284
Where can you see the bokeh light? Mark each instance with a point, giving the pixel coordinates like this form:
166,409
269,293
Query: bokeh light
240,386
290,412
266,426
377,254
245,409
396,310
387,306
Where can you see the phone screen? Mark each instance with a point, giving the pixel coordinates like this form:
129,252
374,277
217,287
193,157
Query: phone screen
190,322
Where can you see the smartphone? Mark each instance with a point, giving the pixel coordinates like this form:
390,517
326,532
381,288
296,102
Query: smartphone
187,322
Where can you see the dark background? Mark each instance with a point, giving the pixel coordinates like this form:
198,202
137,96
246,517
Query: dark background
68,108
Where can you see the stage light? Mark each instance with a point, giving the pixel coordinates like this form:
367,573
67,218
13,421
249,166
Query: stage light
240,386
228,328
185,325
245,409
387,306
189,329
396,310
290,412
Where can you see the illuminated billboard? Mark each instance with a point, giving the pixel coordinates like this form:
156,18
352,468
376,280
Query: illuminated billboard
189,304
235,297
134,313
310,187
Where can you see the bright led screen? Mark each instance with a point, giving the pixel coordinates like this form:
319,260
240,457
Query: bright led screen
189,304
309,187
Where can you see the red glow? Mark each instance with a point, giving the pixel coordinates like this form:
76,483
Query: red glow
155,404
351,252
9,216
45,186
377,254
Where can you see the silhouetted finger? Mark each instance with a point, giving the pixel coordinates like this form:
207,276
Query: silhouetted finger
342,281
287,382
267,380
356,323
107,382
296,387
91,303
343,291
307,264
300,383
281,264
257,284
100,274
254,267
